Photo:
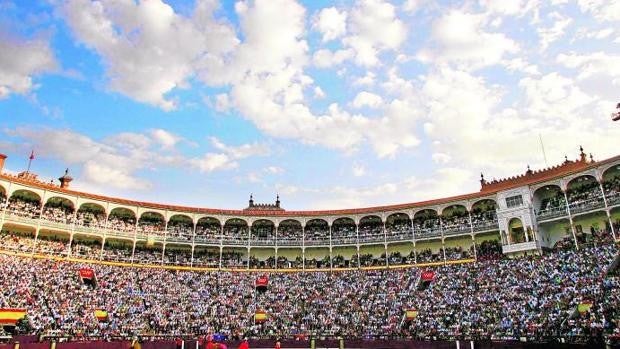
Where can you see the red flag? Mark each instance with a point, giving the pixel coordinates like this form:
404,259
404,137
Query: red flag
31,155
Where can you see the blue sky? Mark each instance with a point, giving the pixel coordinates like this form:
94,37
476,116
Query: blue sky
331,104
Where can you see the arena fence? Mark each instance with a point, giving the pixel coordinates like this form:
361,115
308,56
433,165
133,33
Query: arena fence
318,344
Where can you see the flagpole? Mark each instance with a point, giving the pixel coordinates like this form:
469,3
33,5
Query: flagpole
542,147
30,161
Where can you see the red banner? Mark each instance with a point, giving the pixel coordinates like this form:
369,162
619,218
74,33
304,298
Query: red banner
428,275
262,281
87,273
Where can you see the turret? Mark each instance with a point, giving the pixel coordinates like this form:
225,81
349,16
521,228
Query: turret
65,180
2,159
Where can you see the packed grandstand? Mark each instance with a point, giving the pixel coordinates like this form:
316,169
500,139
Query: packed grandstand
533,257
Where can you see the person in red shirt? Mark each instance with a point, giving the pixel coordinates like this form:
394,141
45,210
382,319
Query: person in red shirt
210,344
278,346
244,344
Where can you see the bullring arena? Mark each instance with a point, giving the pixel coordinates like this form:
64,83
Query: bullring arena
527,260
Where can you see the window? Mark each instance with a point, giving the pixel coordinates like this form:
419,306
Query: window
514,201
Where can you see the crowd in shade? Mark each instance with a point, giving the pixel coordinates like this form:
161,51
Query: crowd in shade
496,297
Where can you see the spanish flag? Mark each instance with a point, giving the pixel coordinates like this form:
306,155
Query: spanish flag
260,316
411,314
101,315
584,307
10,317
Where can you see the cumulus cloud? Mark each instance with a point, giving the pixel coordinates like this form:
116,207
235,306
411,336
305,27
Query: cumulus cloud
20,61
367,99
147,48
461,38
331,23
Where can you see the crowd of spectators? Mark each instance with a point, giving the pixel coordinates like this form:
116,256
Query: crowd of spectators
532,296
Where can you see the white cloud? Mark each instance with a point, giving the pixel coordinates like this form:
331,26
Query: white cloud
324,58
412,6
374,27
367,99
147,48
273,170
318,92
459,37
556,31
606,10
166,139
212,162
367,80
20,61
331,23
358,170
242,151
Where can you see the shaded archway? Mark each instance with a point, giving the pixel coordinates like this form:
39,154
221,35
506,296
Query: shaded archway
152,223
208,230
148,252
122,219
316,232
2,196
180,228
235,257
516,231
290,258
584,194
262,258
263,232
290,233
372,255
178,254
484,215
117,250
426,223
206,256
91,215
455,220
24,203
371,229
58,209
17,238
549,202
236,232
611,185
400,253
344,257
398,227
343,231
317,258
52,242
86,246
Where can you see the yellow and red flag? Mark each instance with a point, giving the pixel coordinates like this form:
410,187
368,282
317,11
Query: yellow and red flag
11,316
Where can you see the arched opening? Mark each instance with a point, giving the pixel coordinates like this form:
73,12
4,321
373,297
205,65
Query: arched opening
52,242
86,246
152,223
484,215
91,215
290,233
584,194
235,257
455,220
516,231
398,227
317,232
344,257
17,238
401,253
263,232
208,230
459,247
178,254
343,231
180,228
426,223
58,209
2,196
236,232
611,185
371,229
206,256
262,258
372,256
549,202
429,251
24,203
290,258
317,258
148,252
117,250
122,219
